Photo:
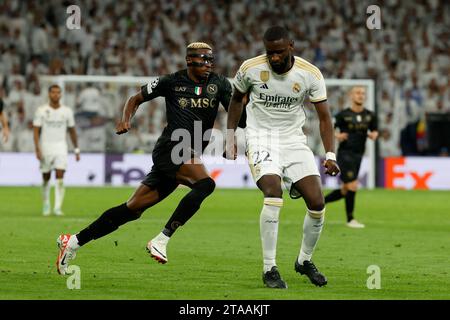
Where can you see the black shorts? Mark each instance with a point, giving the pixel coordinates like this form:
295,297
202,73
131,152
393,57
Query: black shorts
349,163
162,176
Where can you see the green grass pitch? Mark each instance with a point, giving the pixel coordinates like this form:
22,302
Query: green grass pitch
217,254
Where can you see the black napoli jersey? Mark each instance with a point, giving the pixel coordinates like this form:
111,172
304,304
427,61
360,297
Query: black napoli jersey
188,101
356,124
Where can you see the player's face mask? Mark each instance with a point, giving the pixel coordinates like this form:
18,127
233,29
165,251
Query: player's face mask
204,59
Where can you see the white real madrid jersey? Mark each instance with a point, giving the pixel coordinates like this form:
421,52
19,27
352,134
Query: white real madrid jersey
54,124
276,100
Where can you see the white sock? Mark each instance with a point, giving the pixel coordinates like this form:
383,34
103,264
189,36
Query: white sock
73,242
268,225
46,193
161,237
59,194
312,228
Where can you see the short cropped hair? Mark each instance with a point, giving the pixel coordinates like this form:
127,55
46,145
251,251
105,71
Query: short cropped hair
276,33
197,45
53,86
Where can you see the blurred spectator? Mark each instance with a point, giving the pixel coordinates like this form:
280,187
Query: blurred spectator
388,146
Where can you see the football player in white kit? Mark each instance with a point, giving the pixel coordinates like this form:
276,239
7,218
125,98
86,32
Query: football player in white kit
51,123
277,84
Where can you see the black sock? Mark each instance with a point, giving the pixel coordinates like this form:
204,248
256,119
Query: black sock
109,221
334,196
189,205
350,204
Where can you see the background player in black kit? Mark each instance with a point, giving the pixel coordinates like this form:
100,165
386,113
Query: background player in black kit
355,124
191,95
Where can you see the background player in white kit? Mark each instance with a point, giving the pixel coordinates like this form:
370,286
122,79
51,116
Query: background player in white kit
51,123
277,83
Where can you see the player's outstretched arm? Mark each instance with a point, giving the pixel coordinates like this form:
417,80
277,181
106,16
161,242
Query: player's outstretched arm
234,115
327,135
128,112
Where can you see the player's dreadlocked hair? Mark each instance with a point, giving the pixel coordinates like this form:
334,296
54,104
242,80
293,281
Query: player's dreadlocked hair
275,33
197,45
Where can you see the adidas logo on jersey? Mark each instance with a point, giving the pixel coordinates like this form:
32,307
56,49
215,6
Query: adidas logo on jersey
264,86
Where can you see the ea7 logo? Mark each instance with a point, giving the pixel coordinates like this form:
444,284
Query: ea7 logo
396,170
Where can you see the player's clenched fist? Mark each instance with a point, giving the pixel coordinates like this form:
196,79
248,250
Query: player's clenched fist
331,167
123,127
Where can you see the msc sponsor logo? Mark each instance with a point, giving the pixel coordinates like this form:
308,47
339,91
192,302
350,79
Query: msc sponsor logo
197,103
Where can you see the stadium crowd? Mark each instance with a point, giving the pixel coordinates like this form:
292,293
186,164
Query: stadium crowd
408,58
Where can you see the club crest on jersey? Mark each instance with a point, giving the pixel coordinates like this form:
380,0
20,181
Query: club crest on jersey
264,76
358,118
211,88
198,90
296,87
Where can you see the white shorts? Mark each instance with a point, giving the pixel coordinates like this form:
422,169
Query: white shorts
291,162
51,162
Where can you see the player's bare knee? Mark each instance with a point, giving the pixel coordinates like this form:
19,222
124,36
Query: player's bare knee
137,205
316,204
271,191
353,186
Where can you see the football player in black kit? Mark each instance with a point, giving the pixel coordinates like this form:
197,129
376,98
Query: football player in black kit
192,98
355,124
